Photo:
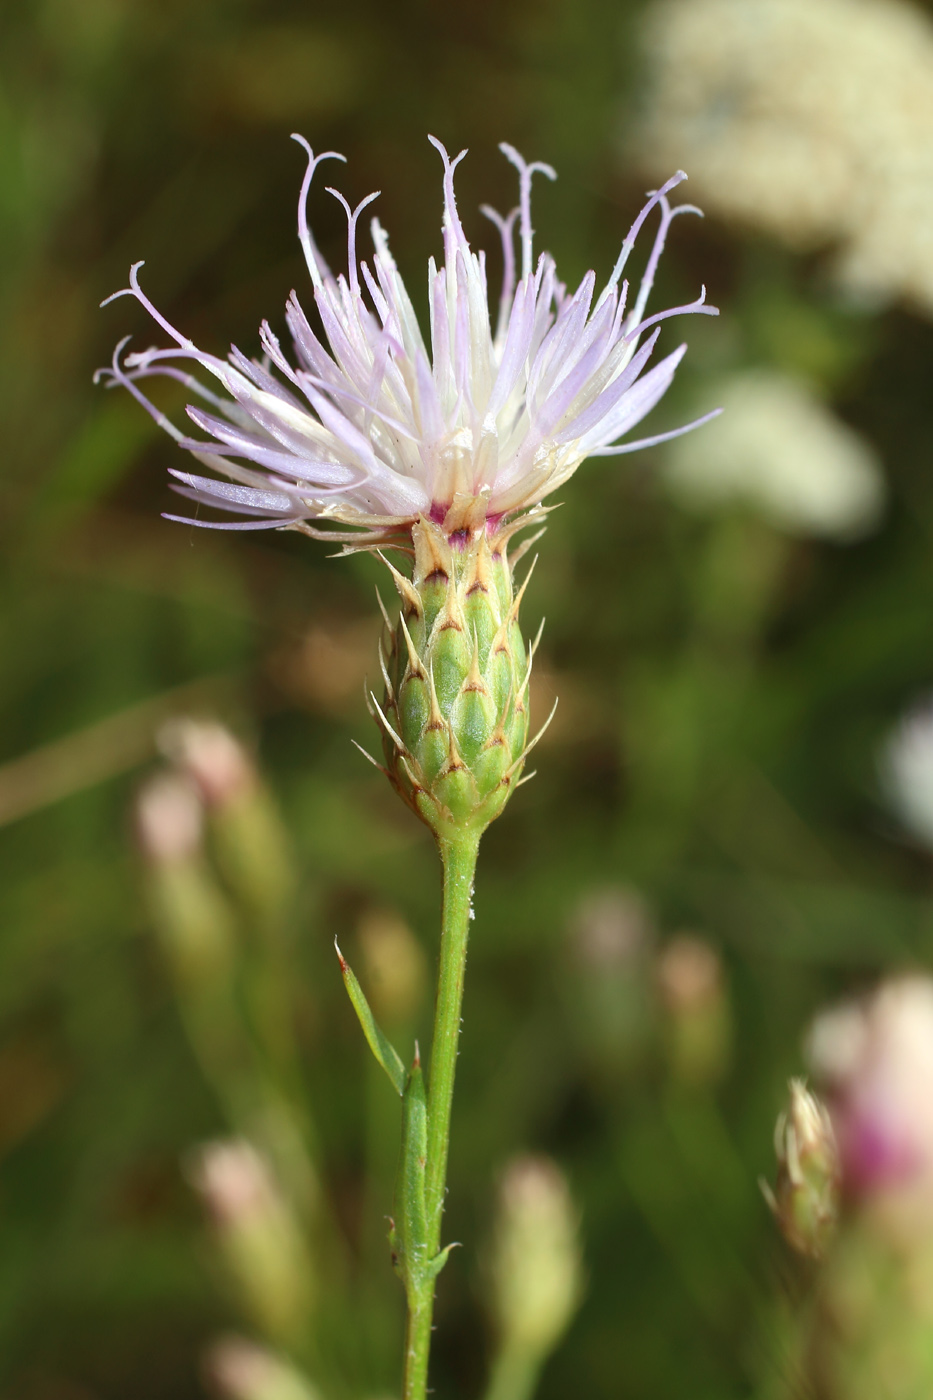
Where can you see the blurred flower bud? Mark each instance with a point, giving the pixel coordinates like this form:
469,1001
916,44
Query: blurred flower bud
805,1200
537,1277
236,1369
611,944
697,1014
873,1321
210,755
251,842
780,451
257,1235
189,911
874,1059
169,819
907,771
612,927
394,966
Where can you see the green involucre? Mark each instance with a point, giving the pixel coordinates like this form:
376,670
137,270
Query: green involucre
456,671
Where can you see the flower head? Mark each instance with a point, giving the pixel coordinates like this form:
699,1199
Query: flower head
379,427
874,1059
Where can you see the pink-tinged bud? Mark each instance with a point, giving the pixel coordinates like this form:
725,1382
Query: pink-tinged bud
872,1320
169,819
805,1199
612,928
211,757
689,974
697,1020
537,1279
233,1180
236,1369
188,909
610,987
258,1236
248,837
874,1058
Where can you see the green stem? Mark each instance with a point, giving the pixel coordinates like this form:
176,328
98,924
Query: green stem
458,857
459,862
418,1344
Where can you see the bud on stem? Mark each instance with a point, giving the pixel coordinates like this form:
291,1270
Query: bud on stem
536,1274
805,1200
236,1369
257,1235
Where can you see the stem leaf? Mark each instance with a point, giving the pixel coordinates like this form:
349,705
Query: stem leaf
410,1189
410,1243
378,1042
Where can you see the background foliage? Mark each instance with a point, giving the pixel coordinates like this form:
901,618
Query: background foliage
723,692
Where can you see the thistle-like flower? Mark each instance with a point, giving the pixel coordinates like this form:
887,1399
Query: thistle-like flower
444,454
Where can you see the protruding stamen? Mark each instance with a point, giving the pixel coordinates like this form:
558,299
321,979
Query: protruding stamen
668,215
117,375
353,216
525,172
658,437
316,264
697,308
135,290
628,242
506,228
453,229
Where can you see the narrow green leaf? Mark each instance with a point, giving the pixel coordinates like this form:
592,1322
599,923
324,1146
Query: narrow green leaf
378,1042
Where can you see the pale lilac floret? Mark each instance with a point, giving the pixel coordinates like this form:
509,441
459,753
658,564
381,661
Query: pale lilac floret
373,429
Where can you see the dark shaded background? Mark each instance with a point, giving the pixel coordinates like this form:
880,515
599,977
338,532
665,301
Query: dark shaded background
715,754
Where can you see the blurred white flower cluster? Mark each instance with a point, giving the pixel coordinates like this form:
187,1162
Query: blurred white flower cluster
907,771
808,118
778,450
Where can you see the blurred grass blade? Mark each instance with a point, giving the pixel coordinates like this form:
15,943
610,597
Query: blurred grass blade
111,746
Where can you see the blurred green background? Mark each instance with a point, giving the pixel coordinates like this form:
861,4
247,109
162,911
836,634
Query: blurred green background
725,677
